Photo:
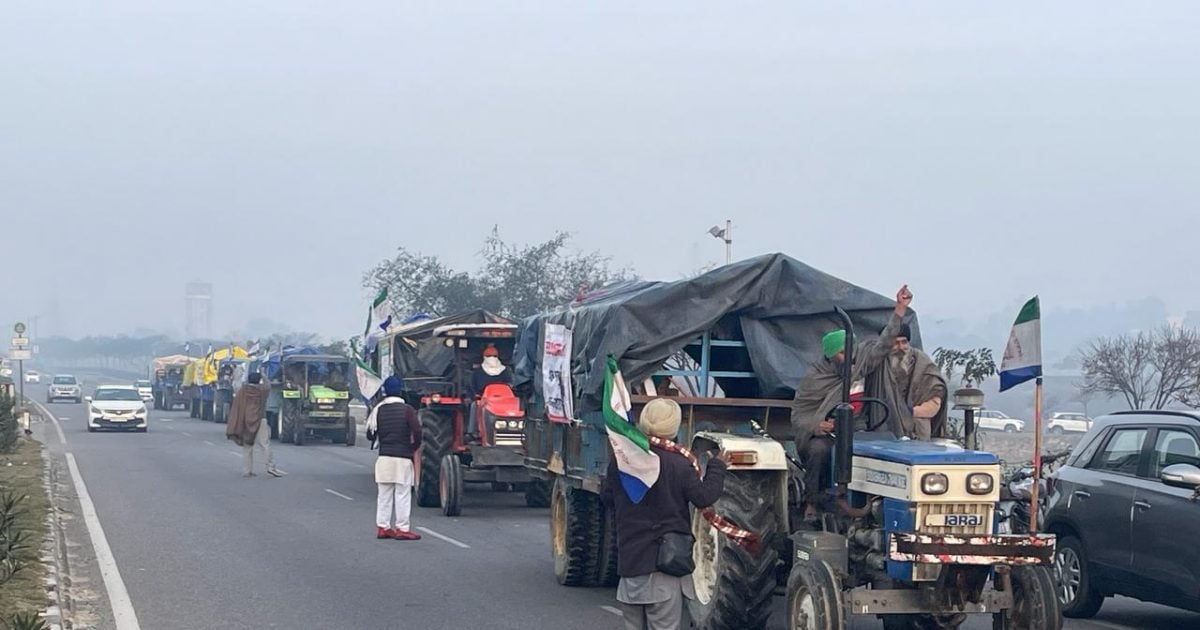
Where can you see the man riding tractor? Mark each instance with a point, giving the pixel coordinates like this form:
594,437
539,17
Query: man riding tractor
472,425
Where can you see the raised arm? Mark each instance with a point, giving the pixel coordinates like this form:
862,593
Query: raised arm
874,354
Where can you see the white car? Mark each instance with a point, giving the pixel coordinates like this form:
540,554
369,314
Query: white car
64,386
1068,422
145,390
116,407
991,420
32,377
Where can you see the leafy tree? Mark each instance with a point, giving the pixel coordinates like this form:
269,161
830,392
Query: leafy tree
1147,369
515,280
972,366
8,423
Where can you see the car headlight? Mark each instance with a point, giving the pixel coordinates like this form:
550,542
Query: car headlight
934,483
980,483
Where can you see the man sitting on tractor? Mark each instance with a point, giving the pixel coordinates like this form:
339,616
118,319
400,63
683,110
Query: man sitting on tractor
490,371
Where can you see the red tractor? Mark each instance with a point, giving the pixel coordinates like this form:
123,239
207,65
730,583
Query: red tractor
472,422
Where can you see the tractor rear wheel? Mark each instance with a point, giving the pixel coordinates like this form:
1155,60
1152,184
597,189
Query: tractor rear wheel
437,435
194,411
450,485
285,426
299,434
814,598
351,432
574,534
734,587
1035,600
537,493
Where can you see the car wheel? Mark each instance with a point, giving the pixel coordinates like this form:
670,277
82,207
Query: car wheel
1080,600
1056,430
1010,428
91,429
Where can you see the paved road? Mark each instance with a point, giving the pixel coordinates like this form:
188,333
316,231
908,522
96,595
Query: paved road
199,547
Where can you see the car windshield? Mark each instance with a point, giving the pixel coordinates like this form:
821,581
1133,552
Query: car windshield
117,394
64,380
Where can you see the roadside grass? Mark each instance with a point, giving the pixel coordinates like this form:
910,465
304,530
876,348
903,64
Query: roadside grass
21,474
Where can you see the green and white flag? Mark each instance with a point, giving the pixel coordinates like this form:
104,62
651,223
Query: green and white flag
1023,354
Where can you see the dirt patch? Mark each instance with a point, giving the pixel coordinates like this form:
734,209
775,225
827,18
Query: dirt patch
21,472
1016,449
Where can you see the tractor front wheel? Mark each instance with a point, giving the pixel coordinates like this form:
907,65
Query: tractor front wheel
814,598
450,485
285,426
1035,600
436,438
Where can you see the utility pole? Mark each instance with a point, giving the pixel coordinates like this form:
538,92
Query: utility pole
725,235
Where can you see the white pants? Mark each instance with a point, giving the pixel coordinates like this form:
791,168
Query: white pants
394,498
262,439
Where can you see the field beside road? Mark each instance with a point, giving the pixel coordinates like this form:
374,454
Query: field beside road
21,476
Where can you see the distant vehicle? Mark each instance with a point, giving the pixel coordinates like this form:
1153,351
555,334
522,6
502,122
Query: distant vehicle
116,407
991,420
1125,511
1068,422
145,389
64,386
32,377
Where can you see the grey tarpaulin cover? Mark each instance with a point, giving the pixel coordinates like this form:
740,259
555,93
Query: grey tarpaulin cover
417,353
777,304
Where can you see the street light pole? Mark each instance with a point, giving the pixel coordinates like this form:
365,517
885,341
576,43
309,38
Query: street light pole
728,241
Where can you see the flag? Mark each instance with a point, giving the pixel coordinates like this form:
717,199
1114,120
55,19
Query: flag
369,382
255,348
1023,354
379,317
636,463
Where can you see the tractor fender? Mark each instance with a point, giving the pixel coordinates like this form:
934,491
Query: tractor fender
771,455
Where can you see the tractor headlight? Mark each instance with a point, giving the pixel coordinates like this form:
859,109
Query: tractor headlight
512,424
934,483
980,483
521,424
499,425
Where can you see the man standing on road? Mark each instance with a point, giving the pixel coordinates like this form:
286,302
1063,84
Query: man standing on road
247,427
393,424
651,599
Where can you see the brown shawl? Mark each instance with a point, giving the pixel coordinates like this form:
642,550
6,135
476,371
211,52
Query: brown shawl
246,413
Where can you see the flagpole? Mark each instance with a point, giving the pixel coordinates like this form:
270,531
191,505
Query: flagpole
1037,455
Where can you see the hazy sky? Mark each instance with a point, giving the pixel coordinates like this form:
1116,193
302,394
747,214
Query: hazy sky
979,151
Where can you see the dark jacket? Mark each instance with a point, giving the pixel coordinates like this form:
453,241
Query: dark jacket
664,508
398,430
480,380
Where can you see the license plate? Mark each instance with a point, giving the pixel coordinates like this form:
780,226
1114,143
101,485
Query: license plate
953,520
117,419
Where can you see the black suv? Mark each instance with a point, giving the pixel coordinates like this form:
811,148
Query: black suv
1126,513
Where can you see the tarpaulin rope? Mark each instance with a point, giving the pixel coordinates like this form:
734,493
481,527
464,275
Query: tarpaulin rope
744,537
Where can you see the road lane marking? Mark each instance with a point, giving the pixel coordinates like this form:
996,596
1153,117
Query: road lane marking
1105,624
186,433
57,427
209,443
338,494
164,420
118,596
613,610
448,539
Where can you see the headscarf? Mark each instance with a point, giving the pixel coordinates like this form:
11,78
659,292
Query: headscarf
833,343
393,386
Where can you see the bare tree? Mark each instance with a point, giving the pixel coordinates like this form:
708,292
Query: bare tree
1149,369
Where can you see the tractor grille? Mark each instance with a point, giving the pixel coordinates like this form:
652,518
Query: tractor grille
981,509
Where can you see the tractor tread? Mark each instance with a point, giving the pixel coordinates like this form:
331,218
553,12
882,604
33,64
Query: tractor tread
437,435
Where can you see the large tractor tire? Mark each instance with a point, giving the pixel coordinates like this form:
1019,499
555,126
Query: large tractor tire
194,410
1035,600
450,485
351,432
206,410
299,433
606,562
734,586
537,493
814,598
286,431
437,435
574,534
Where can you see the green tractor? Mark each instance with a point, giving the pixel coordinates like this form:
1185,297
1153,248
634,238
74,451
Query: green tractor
315,392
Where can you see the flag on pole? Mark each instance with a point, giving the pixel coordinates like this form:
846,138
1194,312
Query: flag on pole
1023,354
369,382
636,463
379,317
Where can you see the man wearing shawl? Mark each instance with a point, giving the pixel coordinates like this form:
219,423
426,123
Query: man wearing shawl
887,368
246,426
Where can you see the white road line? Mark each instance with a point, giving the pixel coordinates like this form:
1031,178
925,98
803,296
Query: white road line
1105,624
122,607
164,420
186,433
209,443
448,539
613,610
57,427
338,494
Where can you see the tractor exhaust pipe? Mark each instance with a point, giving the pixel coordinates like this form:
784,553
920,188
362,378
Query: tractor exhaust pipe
843,414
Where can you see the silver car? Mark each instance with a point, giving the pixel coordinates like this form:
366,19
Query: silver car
64,387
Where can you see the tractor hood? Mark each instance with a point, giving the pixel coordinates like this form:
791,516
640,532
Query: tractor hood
917,453
316,392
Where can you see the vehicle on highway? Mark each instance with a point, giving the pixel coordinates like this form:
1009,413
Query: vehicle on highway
1125,509
992,420
168,385
1068,422
145,389
64,387
32,376
314,391
116,407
